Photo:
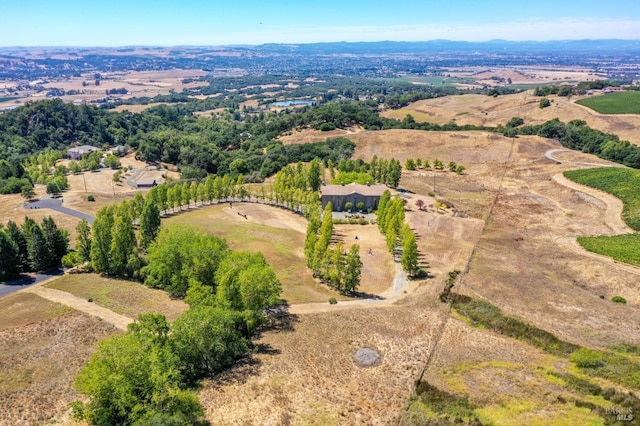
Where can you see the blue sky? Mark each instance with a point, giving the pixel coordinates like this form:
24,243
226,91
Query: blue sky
215,22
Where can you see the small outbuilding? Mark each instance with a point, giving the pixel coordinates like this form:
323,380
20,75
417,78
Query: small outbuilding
353,193
146,183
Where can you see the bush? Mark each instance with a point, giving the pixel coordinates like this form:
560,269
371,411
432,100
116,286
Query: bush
91,198
619,299
72,259
360,206
544,102
348,205
332,301
586,358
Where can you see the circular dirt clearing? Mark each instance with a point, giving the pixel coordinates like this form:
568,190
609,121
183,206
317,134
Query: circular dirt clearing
366,357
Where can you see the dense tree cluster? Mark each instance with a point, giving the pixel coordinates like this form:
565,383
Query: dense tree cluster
334,266
578,89
143,376
398,233
31,247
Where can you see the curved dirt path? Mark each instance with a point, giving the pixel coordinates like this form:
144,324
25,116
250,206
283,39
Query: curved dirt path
68,299
614,206
393,293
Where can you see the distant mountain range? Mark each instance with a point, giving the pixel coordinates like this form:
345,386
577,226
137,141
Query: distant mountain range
433,46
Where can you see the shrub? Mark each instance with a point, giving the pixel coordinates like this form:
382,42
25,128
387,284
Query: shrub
90,300
332,301
544,102
619,299
360,206
348,205
91,198
586,358
72,259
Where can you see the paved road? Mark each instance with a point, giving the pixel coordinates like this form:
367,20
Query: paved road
56,204
28,281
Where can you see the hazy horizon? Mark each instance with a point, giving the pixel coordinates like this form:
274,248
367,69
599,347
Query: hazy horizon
120,23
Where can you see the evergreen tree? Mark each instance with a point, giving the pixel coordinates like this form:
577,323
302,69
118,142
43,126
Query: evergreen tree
57,240
39,254
16,234
9,258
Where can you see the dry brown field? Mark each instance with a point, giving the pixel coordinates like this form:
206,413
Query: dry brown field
481,110
511,232
138,84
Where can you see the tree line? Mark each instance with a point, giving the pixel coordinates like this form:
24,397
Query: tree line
334,266
31,247
391,223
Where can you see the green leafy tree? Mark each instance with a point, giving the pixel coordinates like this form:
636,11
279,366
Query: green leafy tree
123,242
28,193
246,282
180,254
149,223
544,103
315,174
410,164
207,340
112,161
74,167
353,270
131,378
101,239
410,253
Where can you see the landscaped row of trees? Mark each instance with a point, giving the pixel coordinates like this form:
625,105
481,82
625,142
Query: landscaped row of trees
398,233
384,171
145,375
418,163
31,247
334,266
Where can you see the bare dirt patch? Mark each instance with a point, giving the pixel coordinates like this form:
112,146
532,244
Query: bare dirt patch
39,359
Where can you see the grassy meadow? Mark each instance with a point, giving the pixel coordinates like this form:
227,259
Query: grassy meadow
614,103
283,248
127,298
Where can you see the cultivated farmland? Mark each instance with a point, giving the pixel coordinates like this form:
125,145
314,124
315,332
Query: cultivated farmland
614,103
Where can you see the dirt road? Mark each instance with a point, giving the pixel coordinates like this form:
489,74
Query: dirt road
68,299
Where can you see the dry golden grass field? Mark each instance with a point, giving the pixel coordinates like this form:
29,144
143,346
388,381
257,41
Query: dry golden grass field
511,231
484,110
